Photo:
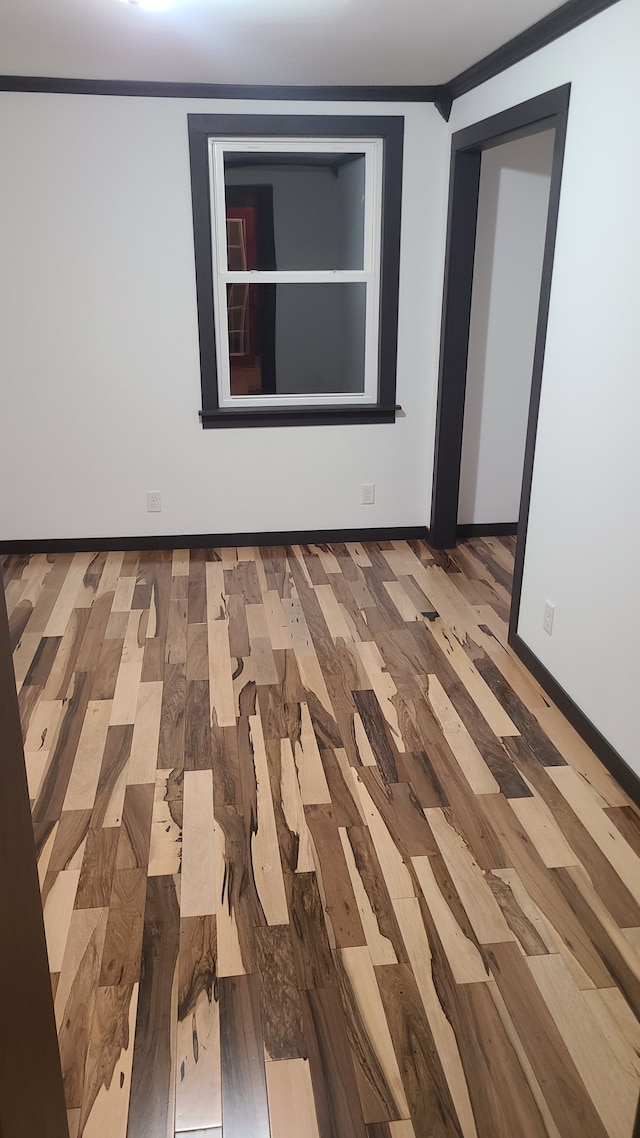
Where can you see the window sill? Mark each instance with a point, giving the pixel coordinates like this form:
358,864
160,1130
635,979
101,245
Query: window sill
297,416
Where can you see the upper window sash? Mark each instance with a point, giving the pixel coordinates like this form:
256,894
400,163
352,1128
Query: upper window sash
373,153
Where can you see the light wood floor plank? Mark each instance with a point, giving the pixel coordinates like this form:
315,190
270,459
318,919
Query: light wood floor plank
291,1105
200,888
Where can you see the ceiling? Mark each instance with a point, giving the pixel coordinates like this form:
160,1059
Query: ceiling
258,41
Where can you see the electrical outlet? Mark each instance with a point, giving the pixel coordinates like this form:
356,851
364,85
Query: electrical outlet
547,620
154,502
368,493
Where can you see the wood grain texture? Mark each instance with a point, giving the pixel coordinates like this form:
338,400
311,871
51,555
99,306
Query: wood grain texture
316,855
198,1070
245,1107
291,1105
426,1087
153,1078
332,1073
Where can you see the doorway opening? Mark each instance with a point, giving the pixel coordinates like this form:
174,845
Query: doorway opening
513,205
542,114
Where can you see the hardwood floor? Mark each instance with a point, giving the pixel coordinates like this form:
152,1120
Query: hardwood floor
318,857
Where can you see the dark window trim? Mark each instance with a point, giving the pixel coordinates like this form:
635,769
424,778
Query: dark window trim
390,128
298,416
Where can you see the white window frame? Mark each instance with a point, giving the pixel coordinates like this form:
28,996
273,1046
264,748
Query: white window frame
369,275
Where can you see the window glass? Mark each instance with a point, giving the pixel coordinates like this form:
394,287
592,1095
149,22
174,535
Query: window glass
296,339
294,211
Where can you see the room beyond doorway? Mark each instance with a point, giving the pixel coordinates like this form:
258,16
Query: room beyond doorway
513,204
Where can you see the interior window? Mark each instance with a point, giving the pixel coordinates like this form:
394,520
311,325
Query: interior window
298,254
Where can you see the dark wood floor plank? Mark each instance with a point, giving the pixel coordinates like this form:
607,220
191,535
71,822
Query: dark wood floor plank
135,829
502,1099
76,997
382,1095
153,660
628,823
245,1109
542,886
198,1071
416,768
341,905
123,941
50,798
311,950
528,726
171,741
42,662
106,671
152,1082
378,734
334,1083
98,867
107,1078
372,877
115,758
613,892
93,638
238,892
227,789
71,832
609,944
565,1093
402,814
279,995
198,753
432,1111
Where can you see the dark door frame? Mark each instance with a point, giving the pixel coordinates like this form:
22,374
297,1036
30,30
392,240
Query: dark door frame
543,112
31,1091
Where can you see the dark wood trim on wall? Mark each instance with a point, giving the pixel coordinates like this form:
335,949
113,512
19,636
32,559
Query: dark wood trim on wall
340,415
545,31
153,90
560,123
31,1091
464,187
542,112
214,540
615,764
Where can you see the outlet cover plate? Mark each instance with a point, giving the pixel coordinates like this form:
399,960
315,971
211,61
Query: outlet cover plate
547,620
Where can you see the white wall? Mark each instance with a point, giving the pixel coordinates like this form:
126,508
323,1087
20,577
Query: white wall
583,545
99,348
512,219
